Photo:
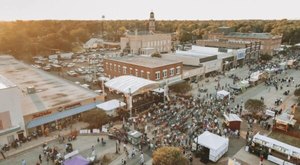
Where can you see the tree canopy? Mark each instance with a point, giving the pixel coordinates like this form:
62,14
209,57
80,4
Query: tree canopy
169,156
156,54
255,106
297,92
95,118
24,39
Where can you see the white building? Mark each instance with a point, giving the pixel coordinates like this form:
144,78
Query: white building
11,117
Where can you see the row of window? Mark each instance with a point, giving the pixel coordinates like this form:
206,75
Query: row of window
123,70
156,43
165,73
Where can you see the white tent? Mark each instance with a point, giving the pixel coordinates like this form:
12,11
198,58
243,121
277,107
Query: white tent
222,94
131,85
216,144
110,106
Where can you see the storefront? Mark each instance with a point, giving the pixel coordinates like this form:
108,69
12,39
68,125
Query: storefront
57,118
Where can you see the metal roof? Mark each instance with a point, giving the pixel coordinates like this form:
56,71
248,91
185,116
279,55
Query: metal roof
61,115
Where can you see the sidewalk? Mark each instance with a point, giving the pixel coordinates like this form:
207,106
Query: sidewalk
40,140
248,157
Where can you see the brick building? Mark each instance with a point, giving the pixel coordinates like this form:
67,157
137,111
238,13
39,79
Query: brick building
151,68
268,41
252,48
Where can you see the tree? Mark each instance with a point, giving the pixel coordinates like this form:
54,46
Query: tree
297,92
181,87
265,57
95,118
255,106
156,54
169,156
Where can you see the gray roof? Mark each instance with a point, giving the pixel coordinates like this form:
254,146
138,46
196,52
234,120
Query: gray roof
51,91
250,35
149,62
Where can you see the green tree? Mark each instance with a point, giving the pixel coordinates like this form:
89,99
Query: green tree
181,87
297,92
156,54
265,57
255,106
95,118
169,156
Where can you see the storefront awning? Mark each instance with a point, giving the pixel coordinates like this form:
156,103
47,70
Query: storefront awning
60,115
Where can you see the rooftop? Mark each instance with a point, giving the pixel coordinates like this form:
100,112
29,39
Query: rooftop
149,62
202,52
250,35
5,83
51,91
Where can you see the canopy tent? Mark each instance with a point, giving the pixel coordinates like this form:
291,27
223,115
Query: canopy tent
110,106
244,83
284,120
233,121
131,85
78,160
255,76
216,144
222,94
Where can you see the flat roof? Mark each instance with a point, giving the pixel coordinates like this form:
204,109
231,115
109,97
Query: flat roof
149,62
5,83
250,35
202,52
51,91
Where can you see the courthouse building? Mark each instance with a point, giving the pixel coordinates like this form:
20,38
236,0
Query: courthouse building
146,42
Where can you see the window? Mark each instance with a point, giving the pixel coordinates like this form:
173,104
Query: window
106,66
1,125
119,68
136,73
178,70
157,75
110,66
124,70
142,73
130,71
165,73
148,75
172,72
115,67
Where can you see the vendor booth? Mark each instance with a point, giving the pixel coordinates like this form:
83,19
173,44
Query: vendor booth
233,121
110,106
275,151
223,94
134,137
214,145
283,121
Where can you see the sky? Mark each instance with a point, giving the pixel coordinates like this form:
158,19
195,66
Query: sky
11,10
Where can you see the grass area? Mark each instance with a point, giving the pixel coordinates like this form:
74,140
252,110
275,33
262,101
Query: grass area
285,138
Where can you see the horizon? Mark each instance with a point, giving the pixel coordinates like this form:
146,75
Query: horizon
206,10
